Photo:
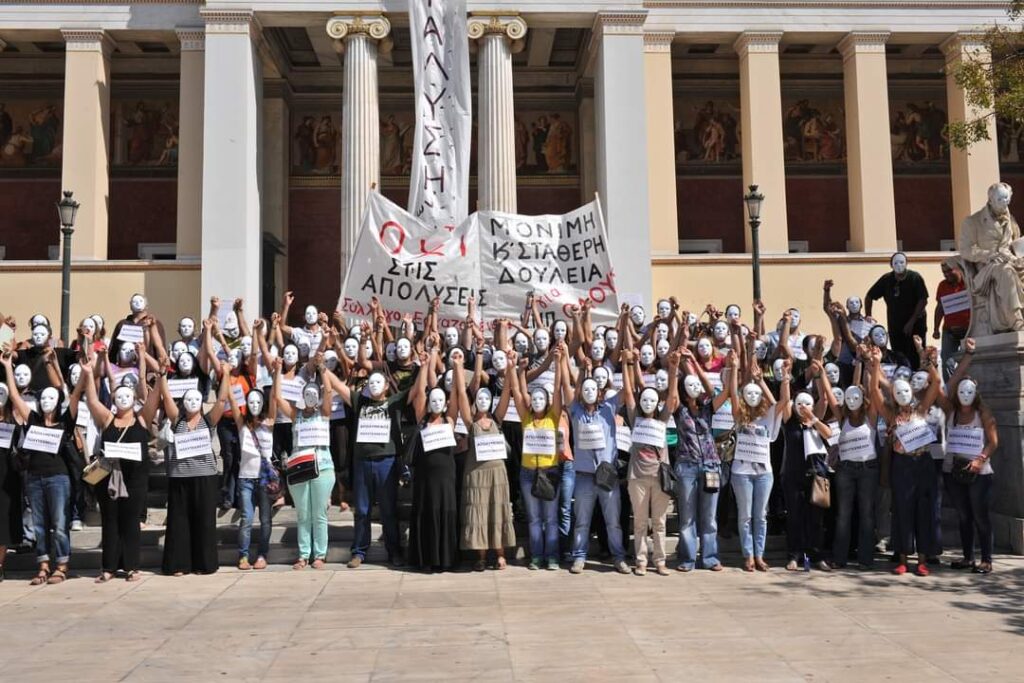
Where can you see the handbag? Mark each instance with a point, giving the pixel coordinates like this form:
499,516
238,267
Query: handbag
606,477
726,446
301,466
542,487
712,481
100,468
667,478
962,473
820,492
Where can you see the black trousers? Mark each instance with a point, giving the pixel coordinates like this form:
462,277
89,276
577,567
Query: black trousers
231,452
191,541
804,529
121,536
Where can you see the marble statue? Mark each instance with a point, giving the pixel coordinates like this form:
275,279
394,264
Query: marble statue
994,265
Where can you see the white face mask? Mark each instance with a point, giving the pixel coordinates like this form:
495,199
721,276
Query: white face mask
75,374
4,395
436,402
601,377
350,347
693,386
541,340
126,355
853,305
124,398
185,364
192,401
561,330
290,355
311,315
254,402
368,345
664,309
636,314
451,336
879,337
853,397
403,349
904,373
919,381
48,400
99,322
611,338
601,331
704,348
39,335
186,328
449,381
691,319
837,394
245,344
732,312
661,332
137,303
589,391
899,264
662,348
89,325
832,372
795,318
966,392
521,343
661,380
483,401
389,352
356,332
499,361
760,349
177,348
235,358
720,330
646,354
539,401
311,396
331,360
752,395
648,401
231,324
805,400
38,319
597,350
902,392
376,385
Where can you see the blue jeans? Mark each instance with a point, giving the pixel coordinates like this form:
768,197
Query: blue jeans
587,494
542,516
50,498
250,496
752,492
697,516
375,480
565,487
856,490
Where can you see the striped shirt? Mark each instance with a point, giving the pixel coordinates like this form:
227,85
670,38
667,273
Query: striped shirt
201,466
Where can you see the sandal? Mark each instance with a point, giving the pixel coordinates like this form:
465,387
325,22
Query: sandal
133,576
243,564
982,568
59,575
261,563
748,564
40,578
319,563
300,564
104,577
501,563
761,565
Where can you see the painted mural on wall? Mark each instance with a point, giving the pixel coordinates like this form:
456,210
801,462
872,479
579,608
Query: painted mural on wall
145,132
1011,141
546,142
916,131
31,133
813,129
707,133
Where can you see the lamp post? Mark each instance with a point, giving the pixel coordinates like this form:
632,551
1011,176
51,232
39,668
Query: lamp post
67,208
753,200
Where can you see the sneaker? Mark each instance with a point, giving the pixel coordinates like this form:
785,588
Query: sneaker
577,567
534,564
641,569
621,567
243,564
77,525
354,562
552,564
661,569
922,569
900,570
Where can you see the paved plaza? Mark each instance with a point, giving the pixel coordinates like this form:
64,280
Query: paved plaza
378,624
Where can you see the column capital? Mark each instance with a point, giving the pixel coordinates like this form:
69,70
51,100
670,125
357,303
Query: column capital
620,23
763,42
658,41
229,21
375,26
863,42
192,39
962,44
87,40
507,25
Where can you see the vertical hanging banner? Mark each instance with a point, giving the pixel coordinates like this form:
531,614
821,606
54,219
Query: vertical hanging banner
439,182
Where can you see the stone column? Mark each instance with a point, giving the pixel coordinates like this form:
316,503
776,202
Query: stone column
357,36
869,153
276,142
974,169
85,165
761,126
190,143
619,94
498,37
661,153
232,177
588,146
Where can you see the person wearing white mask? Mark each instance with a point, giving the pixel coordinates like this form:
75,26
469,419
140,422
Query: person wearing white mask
434,523
51,460
973,438
238,372
258,480
857,477
138,314
756,417
10,481
912,474
936,419
46,364
906,297
310,333
187,333
698,467
122,495
311,436
190,544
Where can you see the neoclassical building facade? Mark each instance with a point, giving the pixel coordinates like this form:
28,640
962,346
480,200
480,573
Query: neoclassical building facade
226,148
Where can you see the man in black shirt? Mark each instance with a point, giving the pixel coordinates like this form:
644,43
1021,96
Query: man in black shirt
906,297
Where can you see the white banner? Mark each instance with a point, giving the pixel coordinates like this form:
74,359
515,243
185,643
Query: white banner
439,179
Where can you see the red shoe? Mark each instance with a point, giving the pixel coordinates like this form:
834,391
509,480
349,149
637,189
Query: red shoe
900,569
922,569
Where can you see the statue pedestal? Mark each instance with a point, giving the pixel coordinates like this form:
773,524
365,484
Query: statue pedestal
998,368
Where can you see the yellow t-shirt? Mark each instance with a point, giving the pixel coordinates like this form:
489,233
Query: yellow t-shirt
540,439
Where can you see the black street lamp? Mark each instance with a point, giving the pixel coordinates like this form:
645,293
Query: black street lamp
753,200
68,209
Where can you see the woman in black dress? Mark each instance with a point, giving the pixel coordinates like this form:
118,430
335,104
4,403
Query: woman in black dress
10,482
122,494
434,527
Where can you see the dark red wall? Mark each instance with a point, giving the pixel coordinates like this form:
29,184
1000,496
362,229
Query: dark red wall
141,210
924,211
28,217
711,208
818,210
